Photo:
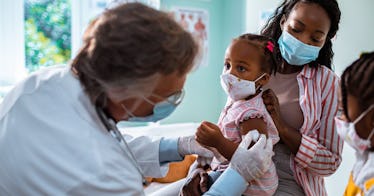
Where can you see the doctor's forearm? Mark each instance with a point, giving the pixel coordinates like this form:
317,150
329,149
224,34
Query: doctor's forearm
229,183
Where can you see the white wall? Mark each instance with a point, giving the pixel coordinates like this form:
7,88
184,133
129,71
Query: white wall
356,34
254,9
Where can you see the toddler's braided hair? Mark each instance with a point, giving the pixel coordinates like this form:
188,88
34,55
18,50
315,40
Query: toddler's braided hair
357,80
272,58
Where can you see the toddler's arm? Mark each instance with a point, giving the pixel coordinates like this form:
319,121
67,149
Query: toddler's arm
209,134
253,124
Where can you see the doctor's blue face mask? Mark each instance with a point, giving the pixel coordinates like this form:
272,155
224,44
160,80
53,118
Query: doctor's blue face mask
296,52
161,110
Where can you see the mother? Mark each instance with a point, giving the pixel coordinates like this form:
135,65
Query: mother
302,96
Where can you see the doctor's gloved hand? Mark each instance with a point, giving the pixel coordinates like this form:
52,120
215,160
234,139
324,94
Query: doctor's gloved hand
253,162
188,145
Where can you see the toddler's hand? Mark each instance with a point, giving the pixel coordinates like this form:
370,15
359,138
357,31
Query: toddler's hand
209,134
197,183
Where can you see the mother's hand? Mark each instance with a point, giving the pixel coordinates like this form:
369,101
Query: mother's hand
196,183
272,106
289,135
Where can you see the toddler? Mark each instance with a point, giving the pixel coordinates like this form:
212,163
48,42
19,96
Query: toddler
249,61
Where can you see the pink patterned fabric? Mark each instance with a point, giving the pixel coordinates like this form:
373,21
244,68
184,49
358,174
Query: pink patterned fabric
231,116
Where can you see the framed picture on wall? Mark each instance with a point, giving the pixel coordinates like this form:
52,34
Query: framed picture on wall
195,21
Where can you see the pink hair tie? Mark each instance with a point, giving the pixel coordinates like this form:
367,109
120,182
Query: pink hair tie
270,46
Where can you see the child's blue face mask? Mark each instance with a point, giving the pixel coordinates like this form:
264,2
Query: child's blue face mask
296,52
161,110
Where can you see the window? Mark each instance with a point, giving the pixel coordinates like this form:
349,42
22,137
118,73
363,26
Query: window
41,33
47,33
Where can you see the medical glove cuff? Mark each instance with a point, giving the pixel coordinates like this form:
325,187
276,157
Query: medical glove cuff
188,145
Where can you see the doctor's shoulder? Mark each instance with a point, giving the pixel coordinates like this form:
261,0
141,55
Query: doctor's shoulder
39,78
29,85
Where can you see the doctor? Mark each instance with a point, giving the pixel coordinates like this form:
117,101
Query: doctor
58,133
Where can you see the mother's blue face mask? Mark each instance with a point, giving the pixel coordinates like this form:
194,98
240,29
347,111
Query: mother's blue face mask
296,52
161,110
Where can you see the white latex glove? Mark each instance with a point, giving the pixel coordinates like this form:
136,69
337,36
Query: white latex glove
203,161
188,145
254,162
218,155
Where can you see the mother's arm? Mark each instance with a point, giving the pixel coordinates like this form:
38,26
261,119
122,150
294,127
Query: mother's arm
319,152
326,145
290,136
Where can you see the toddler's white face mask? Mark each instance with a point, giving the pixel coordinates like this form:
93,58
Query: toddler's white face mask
237,88
347,131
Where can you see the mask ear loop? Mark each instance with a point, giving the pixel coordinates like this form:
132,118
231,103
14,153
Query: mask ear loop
259,86
127,111
371,134
363,114
360,117
372,130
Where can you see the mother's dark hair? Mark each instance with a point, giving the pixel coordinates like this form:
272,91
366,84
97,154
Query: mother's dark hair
273,29
127,46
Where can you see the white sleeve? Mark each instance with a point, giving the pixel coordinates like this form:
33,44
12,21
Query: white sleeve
109,185
146,151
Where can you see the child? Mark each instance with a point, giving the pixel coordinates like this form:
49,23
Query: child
249,62
356,123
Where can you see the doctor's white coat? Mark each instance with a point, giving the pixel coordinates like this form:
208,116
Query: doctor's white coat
53,143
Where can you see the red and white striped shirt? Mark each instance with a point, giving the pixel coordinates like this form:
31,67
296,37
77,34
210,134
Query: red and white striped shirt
319,154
